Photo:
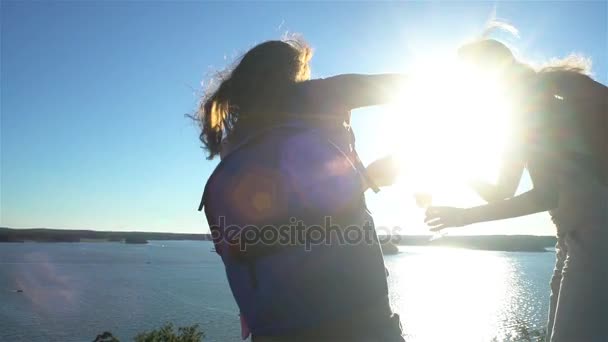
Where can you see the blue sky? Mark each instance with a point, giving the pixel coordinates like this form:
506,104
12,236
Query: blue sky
93,94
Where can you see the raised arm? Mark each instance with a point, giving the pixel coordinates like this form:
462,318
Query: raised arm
342,93
356,90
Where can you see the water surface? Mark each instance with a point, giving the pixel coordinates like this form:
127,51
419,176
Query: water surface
72,292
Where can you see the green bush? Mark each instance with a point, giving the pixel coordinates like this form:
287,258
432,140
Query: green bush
106,336
166,333
521,332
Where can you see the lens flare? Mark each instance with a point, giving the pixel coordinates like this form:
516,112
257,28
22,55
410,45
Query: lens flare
450,126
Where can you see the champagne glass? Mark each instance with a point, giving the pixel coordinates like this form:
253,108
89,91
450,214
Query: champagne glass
423,199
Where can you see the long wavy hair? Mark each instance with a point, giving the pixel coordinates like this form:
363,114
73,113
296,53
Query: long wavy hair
252,90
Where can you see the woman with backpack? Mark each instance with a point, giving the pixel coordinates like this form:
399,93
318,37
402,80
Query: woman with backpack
289,167
562,140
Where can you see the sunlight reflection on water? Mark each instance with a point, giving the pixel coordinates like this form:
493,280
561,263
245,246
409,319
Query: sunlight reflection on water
445,294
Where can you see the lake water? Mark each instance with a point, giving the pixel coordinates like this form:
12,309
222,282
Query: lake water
72,292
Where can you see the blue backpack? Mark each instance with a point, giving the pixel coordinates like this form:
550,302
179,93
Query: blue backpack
289,174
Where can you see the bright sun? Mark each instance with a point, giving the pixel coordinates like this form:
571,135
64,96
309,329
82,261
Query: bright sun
448,126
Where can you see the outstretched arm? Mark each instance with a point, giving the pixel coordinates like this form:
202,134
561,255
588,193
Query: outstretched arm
542,197
531,202
357,90
341,93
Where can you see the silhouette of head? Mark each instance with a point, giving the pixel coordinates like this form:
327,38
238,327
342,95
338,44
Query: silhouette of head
488,54
252,90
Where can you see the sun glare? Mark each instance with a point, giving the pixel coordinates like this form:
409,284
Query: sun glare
448,126
453,289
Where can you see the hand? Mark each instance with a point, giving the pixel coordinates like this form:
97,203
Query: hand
384,171
439,218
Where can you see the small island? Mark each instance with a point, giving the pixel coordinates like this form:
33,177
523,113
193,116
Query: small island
136,240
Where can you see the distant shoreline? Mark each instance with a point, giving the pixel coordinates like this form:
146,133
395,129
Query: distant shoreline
506,243
11,235
509,243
